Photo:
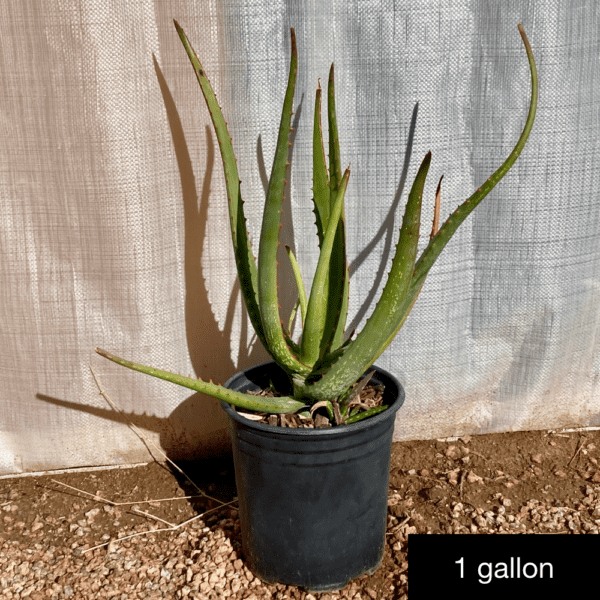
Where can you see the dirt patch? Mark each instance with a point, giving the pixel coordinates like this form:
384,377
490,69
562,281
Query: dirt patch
521,482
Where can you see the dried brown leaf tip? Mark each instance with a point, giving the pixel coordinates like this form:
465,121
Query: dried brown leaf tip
436,210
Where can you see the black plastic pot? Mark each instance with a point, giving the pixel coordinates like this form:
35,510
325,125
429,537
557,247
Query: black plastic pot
312,502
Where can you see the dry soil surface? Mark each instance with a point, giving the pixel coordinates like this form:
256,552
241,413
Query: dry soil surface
51,535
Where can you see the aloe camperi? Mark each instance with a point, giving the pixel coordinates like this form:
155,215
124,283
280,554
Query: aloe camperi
323,367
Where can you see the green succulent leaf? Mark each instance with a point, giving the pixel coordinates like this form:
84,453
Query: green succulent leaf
446,231
365,414
335,162
269,237
339,278
283,404
299,284
246,264
316,313
321,189
334,287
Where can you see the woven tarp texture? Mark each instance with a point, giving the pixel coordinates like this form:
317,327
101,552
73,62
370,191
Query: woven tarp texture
114,228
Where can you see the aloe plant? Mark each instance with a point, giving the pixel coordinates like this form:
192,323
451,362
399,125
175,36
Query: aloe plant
323,367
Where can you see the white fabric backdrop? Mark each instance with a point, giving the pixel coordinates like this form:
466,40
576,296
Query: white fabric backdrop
114,228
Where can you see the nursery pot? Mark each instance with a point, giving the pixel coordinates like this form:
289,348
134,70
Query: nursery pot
312,502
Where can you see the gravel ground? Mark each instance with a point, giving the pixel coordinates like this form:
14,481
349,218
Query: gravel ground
527,482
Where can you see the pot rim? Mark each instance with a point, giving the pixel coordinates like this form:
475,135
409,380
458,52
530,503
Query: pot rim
338,430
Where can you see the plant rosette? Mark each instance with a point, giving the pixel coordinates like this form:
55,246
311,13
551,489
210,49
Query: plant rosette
326,363
322,371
